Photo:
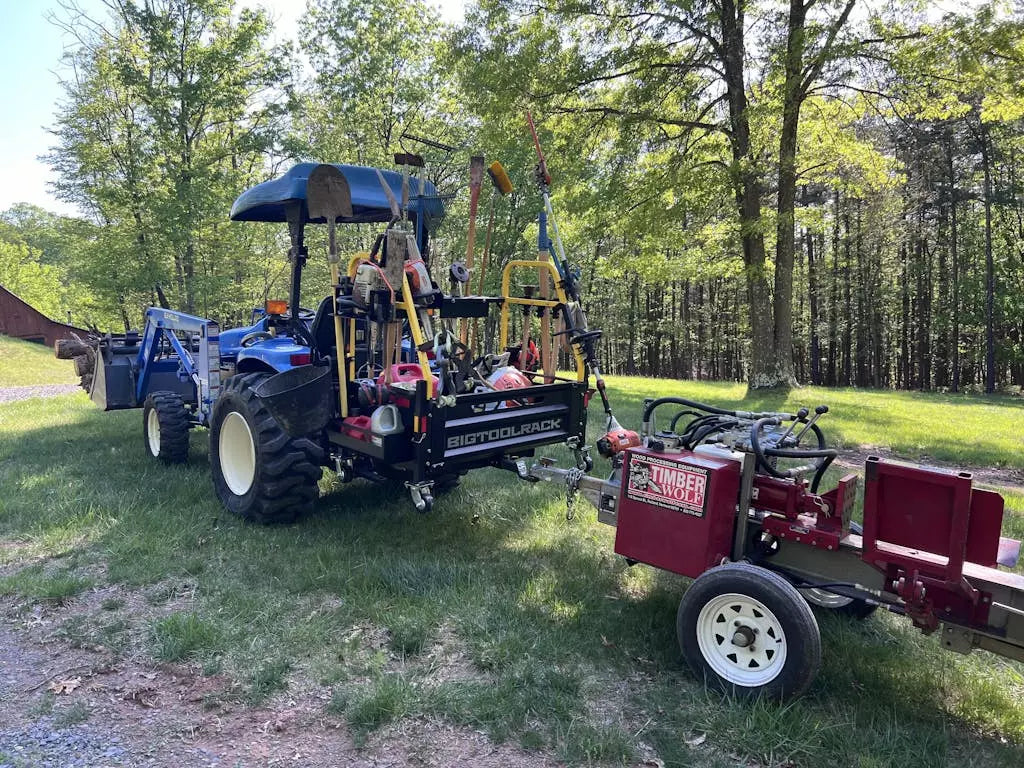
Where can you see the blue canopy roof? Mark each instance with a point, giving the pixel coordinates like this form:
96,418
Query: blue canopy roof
267,201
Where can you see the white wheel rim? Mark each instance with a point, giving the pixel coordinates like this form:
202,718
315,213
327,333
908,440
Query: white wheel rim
237,453
728,621
153,431
825,599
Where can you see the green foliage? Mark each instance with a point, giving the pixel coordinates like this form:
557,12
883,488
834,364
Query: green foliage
173,109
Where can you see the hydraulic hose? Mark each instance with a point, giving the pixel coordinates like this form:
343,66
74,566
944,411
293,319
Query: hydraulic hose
649,408
827,455
678,416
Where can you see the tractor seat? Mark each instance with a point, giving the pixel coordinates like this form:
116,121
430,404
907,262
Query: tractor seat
322,329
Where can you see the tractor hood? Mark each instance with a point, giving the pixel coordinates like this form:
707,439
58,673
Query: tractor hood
268,201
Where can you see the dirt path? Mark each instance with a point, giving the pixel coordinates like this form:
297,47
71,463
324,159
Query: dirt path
10,394
66,707
1012,479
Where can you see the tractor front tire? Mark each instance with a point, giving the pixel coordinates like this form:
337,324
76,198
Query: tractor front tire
165,426
747,631
259,472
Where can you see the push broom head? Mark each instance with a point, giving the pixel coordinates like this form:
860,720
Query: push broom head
499,176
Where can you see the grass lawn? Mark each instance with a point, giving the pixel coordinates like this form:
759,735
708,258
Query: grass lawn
23,363
494,611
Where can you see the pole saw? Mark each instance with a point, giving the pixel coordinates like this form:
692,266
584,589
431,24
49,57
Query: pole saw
575,318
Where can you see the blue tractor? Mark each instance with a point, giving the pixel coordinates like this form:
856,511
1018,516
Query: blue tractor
374,382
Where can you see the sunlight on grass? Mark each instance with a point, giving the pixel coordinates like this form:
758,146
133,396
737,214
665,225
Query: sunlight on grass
24,363
554,642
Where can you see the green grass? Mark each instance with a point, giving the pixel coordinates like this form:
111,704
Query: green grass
492,612
37,583
976,430
23,363
184,635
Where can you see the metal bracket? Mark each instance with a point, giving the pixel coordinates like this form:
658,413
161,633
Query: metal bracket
422,498
957,639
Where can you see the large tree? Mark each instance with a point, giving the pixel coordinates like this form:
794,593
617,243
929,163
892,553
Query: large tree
173,106
686,73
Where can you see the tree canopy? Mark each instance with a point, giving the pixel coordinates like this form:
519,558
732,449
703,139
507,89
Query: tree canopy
821,191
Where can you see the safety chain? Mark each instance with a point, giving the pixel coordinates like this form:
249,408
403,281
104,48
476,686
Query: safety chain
573,478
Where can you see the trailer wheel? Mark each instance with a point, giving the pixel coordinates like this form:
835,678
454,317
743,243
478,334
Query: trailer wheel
165,425
853,607
259,471
747,631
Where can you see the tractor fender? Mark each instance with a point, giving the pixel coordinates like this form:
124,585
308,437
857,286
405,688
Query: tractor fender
275,354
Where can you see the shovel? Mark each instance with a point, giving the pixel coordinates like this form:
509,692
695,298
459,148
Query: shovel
328,198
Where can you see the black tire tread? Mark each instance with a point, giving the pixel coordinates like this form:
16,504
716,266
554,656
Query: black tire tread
175,423
288,468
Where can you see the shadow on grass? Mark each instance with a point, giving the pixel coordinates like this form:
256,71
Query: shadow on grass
562,644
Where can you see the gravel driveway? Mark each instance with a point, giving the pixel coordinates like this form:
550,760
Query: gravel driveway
10,394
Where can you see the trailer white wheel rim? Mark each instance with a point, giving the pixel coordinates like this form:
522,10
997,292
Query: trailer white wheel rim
153,431
825,599
237,453
728,621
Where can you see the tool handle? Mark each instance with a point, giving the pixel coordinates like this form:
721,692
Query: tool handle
541,163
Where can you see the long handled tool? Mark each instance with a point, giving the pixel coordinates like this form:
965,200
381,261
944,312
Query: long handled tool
476,179
503,187
576,319
328,197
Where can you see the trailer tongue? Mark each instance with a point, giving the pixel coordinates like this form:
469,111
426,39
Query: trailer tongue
714,501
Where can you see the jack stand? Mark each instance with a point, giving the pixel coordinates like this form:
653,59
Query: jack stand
343,469
422,498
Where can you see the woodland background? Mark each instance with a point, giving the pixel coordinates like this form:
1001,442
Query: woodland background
816,191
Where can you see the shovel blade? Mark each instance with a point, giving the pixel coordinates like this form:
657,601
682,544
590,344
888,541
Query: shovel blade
327,194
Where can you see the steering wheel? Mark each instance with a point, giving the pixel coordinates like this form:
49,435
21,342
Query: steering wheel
306,314
251,338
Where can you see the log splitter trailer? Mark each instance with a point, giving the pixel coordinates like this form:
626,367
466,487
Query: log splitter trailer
716,497
709,498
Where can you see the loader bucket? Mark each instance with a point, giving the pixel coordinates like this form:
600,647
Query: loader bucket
113,383
299,398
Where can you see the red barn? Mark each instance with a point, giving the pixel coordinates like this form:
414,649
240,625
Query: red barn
23,321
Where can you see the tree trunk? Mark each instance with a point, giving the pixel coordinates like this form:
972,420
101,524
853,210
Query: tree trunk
747,186
812,300
955,266
990,276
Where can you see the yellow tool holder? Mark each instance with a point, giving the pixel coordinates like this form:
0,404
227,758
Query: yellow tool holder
560,298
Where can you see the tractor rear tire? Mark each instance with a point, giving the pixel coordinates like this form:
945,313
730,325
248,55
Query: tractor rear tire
260,472
747,631
165,426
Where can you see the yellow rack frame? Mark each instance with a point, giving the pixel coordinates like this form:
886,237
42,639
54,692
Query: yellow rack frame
510,301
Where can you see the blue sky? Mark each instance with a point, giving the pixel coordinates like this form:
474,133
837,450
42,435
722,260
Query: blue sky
30,65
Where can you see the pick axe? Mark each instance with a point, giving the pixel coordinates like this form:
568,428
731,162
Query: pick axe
328,197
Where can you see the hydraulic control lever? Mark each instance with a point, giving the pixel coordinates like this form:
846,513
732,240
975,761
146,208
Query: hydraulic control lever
820,411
